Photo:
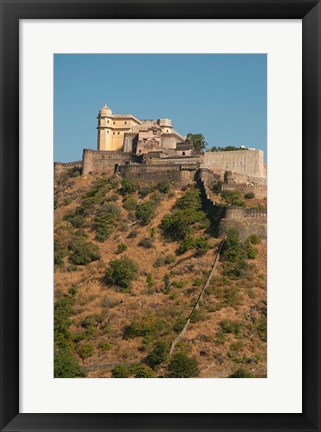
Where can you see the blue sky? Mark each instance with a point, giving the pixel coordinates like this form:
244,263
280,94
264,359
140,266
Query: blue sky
222,96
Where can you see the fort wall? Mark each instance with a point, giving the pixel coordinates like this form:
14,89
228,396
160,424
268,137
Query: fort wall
249,162
103,161
259,191
246,221
176,174
61,167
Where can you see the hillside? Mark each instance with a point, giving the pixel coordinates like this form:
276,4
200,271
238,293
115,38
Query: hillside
130,262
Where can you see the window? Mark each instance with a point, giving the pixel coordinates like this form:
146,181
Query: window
113,133
125,122
118,133
113,122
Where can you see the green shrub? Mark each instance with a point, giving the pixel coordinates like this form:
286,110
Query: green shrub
120,371
121,247
164,186
234,327
147,326
66,365
261,328
142,371
158,354
67,201
233,197
216,187
90,321
254,239
62,322
186,245
233,255
149,280
84,253
188,214
249,195
73,290
197,282
108,302
167,283
146,243
228,296
179,324
105,221
163,260
114,197
197,315
241,373
146,190
156,197
86,351
59,253
78,221
145,212
106,346
121,272
201,244
130,203
73,172
179,283
132,234
127,187
182,366
251,251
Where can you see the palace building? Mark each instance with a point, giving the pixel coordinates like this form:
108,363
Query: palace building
129,134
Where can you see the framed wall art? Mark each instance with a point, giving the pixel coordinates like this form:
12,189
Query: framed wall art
160,215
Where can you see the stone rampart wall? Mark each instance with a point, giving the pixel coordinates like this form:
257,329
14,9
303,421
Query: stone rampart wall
235,212
260,191
155,173
248,162
60,167
104,161
244,227
246,220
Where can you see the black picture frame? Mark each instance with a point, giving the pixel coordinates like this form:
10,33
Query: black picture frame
11,12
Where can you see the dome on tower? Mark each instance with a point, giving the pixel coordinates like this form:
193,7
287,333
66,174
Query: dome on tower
105,110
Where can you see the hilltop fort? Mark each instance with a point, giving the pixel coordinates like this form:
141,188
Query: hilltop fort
150,150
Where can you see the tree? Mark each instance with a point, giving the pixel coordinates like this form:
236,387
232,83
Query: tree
121,272
84,253
120,371
143,371
241,373
158,354
66,365
145,212
197,140
182,366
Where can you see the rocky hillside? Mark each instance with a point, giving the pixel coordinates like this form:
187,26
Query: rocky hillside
130,263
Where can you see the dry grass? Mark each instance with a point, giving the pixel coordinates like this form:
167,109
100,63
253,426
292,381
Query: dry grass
217,355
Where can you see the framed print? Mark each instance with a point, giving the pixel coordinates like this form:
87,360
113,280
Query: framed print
160,216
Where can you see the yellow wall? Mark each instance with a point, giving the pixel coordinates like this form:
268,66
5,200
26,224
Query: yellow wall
111,137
